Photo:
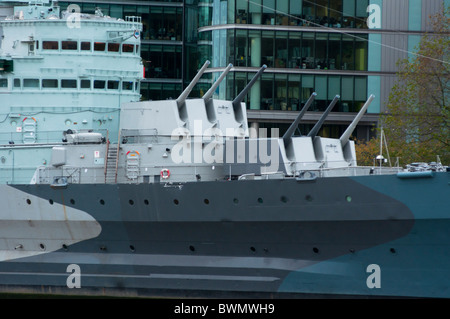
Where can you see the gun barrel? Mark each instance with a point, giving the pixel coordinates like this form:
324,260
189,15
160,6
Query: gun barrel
290,132
188,89
237,101
319,124
346,135
210,92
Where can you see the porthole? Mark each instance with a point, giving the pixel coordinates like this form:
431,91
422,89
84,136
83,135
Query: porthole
236,201
253,249
131,202
42,246
28,201
102,202
283,199
50,201
146,202
206,201
348,198
260,200
64,246
309,198
176,202
191,248
72,201
392,250
132,248
315,250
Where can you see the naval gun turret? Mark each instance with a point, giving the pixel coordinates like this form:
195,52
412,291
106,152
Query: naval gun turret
339,152
183,116
312,152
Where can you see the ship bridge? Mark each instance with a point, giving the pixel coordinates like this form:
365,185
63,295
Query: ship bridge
66,70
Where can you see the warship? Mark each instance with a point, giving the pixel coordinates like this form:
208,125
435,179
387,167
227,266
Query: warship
181,199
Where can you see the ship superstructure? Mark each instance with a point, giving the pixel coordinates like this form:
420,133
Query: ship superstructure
185,203
60,71
188,140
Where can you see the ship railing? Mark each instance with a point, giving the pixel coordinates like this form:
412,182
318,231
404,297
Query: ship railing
347,171
134,19
16,139
139,136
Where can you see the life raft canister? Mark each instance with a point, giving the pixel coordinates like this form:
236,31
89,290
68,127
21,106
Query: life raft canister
165,173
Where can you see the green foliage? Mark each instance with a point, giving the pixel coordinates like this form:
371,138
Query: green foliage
367,151
417,120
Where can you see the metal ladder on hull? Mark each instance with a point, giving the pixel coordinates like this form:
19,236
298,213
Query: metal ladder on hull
112,161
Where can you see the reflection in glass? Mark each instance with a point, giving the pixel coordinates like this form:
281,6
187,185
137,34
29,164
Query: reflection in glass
267,48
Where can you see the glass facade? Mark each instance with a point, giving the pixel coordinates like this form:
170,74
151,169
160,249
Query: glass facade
308,46
312,13
162,42
297,49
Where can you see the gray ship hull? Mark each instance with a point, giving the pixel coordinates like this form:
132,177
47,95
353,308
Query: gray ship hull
264,237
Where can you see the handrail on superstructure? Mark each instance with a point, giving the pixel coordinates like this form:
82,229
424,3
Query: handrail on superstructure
107,150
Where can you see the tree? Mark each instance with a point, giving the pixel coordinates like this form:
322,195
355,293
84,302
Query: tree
367,151
417,120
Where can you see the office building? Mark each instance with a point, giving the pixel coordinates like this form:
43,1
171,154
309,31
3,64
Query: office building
323,46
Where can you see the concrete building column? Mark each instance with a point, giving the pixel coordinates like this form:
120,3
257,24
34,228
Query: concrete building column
254,129
255,49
